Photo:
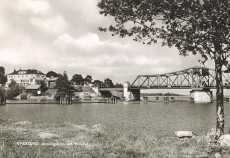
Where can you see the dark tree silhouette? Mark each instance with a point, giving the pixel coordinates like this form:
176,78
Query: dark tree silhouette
3,77
13,91
192,26
43,86
52,73
98,83
88,79
108,83
118,85
63,86
2,95
77,79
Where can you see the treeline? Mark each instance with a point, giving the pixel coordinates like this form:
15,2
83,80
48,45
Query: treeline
79,80
65,87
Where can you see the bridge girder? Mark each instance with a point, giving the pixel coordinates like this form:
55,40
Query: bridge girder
195,77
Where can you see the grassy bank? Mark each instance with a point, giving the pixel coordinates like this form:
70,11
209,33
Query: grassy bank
26,140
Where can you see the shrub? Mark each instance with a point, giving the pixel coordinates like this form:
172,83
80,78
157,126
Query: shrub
24,95
13,91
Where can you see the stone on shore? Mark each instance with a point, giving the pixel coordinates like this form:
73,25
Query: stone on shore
224,140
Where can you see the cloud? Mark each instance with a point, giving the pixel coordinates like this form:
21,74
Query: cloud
3,26
56,25
9,55
64,35
87,41
38,7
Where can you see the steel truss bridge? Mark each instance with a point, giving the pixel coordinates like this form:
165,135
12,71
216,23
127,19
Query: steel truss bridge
191,78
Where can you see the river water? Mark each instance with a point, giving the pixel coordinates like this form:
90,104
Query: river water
160,118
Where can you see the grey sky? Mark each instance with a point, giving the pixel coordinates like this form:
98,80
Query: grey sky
63,35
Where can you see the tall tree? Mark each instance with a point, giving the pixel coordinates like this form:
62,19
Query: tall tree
63,86
65,75
43,86
2,70
2,95
88,79
77,79
3,77
108,83
192,26
52,74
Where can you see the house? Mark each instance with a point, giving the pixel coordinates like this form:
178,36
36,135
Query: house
25,77
86,93
34,89
51,82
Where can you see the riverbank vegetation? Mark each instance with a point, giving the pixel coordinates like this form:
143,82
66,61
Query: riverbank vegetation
13,90
25,139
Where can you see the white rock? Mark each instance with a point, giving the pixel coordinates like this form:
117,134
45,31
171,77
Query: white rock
224,140
217,155
183,134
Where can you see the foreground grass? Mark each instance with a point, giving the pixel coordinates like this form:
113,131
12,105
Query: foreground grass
69,140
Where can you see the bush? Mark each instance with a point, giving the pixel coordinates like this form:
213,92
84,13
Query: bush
24,95
13,91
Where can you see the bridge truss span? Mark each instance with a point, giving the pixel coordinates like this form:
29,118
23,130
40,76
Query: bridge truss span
195,77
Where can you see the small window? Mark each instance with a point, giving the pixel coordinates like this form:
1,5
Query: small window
157,98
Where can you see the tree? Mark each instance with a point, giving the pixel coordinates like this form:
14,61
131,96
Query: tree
98,83
52,74
77,79
3,77
65,75
63,86
2,95
108,83
192,26
43,86
118,85
13,91
88,79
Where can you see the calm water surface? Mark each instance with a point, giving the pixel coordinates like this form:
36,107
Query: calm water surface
163,118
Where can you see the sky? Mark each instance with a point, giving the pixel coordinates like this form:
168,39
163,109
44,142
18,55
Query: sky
57,35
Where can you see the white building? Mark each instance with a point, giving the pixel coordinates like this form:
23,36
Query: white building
25,77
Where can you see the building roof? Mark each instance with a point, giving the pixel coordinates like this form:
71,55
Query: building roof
51,78
88,89
29,71
33,87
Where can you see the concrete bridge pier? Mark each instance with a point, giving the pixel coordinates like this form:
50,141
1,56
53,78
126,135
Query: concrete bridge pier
131,95
201,96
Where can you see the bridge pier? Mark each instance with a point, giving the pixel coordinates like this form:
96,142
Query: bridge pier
131,95
201,96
